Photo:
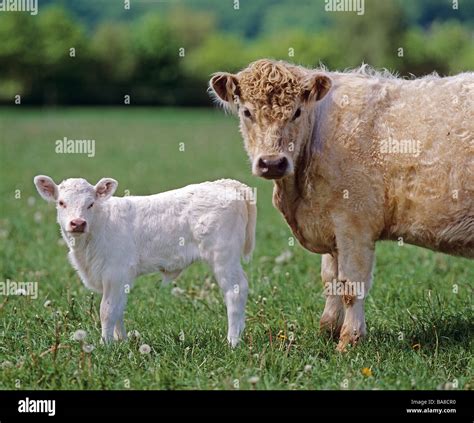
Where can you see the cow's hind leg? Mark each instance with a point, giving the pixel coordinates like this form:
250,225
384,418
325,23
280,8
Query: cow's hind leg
355,264
333,314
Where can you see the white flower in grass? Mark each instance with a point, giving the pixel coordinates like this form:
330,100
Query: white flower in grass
284,257
133,334
308,368
38,217
144,349
177,291
47,303
31,201
6,364
79,335
88,348
21,291
254,380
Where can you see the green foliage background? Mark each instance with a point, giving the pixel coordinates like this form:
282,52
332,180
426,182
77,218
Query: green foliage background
137,51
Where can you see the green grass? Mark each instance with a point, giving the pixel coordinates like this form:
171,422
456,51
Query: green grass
412,301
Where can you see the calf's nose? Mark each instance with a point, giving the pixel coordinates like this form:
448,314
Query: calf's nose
78,225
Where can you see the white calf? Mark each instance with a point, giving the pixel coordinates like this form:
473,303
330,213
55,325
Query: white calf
113,240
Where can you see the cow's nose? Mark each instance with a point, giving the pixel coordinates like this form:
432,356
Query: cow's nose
272,167
78,225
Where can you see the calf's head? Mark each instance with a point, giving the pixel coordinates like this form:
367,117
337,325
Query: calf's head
77,201
275,102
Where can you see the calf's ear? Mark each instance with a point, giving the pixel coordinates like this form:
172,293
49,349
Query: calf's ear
46,187
317,86
105,188
225,87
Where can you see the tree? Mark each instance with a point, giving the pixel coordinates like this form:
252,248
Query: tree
373,38
19,54
64,56
157,55
113,50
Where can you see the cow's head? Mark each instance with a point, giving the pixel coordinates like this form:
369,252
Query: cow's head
275,102
77,201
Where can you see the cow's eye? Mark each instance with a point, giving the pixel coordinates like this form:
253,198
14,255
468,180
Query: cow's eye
297,114
247,113
90,205
62,204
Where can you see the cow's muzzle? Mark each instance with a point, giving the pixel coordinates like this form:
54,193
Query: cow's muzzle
272,166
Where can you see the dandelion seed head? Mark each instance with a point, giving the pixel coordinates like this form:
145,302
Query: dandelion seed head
88,348
6,364
254,380
144,349
80,335
134,334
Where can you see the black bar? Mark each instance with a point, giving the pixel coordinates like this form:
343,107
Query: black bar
242,403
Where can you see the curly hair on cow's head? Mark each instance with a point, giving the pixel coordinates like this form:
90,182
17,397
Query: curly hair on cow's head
272,86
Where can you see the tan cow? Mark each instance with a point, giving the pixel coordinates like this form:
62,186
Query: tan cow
357,157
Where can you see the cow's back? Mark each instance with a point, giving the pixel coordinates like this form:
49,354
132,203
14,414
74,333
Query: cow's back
414,141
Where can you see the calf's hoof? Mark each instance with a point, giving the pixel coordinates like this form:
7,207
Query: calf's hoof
233,341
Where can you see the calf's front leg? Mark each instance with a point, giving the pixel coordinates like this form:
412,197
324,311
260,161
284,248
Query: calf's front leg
112,307
119,330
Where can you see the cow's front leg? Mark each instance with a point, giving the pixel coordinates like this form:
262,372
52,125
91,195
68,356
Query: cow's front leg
355,264
333,314
112,308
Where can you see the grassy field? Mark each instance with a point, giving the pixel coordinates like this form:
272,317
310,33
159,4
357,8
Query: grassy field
419,313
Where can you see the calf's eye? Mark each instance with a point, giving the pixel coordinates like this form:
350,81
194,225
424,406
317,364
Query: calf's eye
90,206
247,113
62,204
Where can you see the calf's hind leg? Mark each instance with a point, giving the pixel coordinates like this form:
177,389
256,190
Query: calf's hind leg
232,280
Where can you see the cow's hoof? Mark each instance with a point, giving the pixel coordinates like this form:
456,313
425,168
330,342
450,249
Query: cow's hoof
330,328
348,339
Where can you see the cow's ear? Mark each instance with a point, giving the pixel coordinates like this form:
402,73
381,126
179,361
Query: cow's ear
46,187
225,87
317,86
105,188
